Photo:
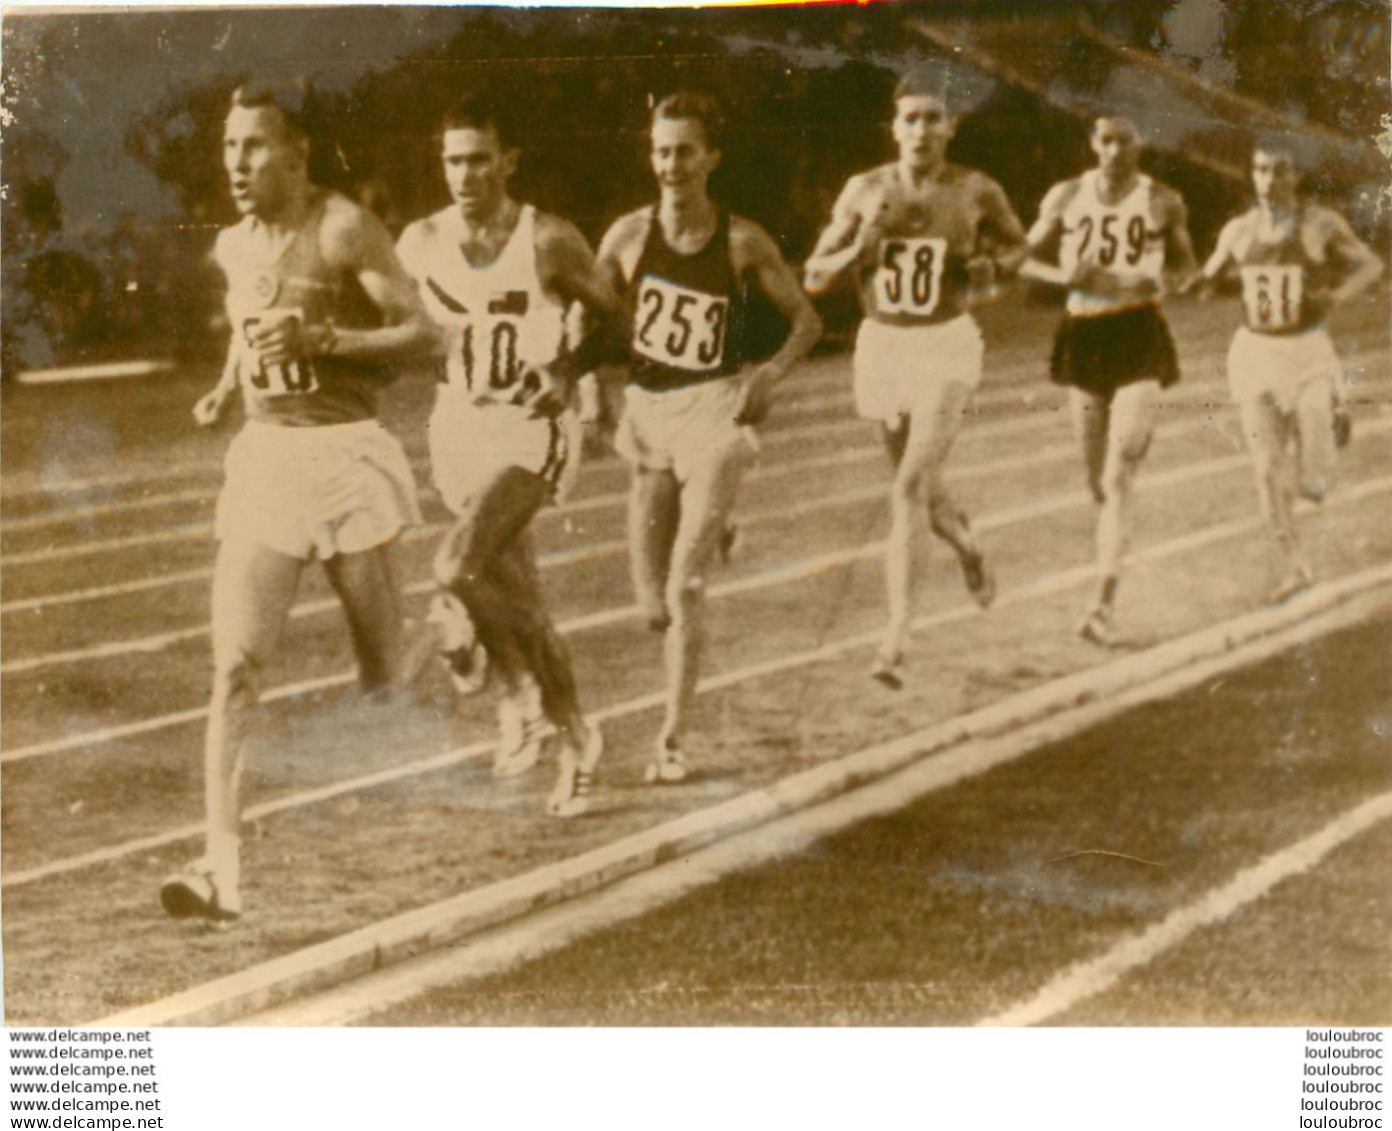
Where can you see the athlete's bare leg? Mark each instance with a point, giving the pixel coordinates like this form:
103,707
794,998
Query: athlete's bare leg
487,561
253,590
1269,434
654,511
465,564
549,657
1090,415
707,498
1130,424
367,582
1318,456
918,498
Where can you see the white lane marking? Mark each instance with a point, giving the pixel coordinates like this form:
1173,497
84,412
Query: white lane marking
819,399
987,431
593,551
1095,976
518,941
813,395
101,510
1044,587
933,758
797,570
202,529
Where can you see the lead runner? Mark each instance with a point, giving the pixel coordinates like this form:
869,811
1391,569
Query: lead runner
319,305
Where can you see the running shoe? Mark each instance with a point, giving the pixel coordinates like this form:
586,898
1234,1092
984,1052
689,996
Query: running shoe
198,892
669,767
571,795
888,669
1096,627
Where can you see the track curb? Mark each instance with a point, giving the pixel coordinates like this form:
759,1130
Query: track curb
407,935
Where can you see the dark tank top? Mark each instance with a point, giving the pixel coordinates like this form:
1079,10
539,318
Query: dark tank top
307,391
1277,278
689,312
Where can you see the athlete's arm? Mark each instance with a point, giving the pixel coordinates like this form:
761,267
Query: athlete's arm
1201,282
1364,268
753,251
1180,261
213,404
1012,247
845,239
1044,234
354,240
620,250
570,271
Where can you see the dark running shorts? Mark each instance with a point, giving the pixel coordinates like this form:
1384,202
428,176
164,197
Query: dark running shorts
1101,353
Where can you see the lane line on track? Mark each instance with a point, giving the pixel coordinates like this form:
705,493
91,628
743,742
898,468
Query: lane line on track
782,437
571,507
1044,587
793,571
817,393
946,753
817,402
591,552
510,945
988,431
1088,979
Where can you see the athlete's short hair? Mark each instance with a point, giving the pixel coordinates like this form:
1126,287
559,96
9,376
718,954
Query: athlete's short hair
1111,114
293,97
478,111
697,107
1280,146
922,82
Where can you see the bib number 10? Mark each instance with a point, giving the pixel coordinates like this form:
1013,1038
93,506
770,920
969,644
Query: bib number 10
1272,296
909,278
488,353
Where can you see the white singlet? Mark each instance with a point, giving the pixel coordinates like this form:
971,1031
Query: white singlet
1122,238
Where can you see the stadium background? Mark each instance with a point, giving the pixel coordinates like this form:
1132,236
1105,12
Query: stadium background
115,187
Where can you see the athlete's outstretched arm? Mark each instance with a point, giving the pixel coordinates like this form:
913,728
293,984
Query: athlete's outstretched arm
754,251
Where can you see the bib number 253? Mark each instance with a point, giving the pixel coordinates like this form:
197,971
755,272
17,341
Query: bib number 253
680,327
